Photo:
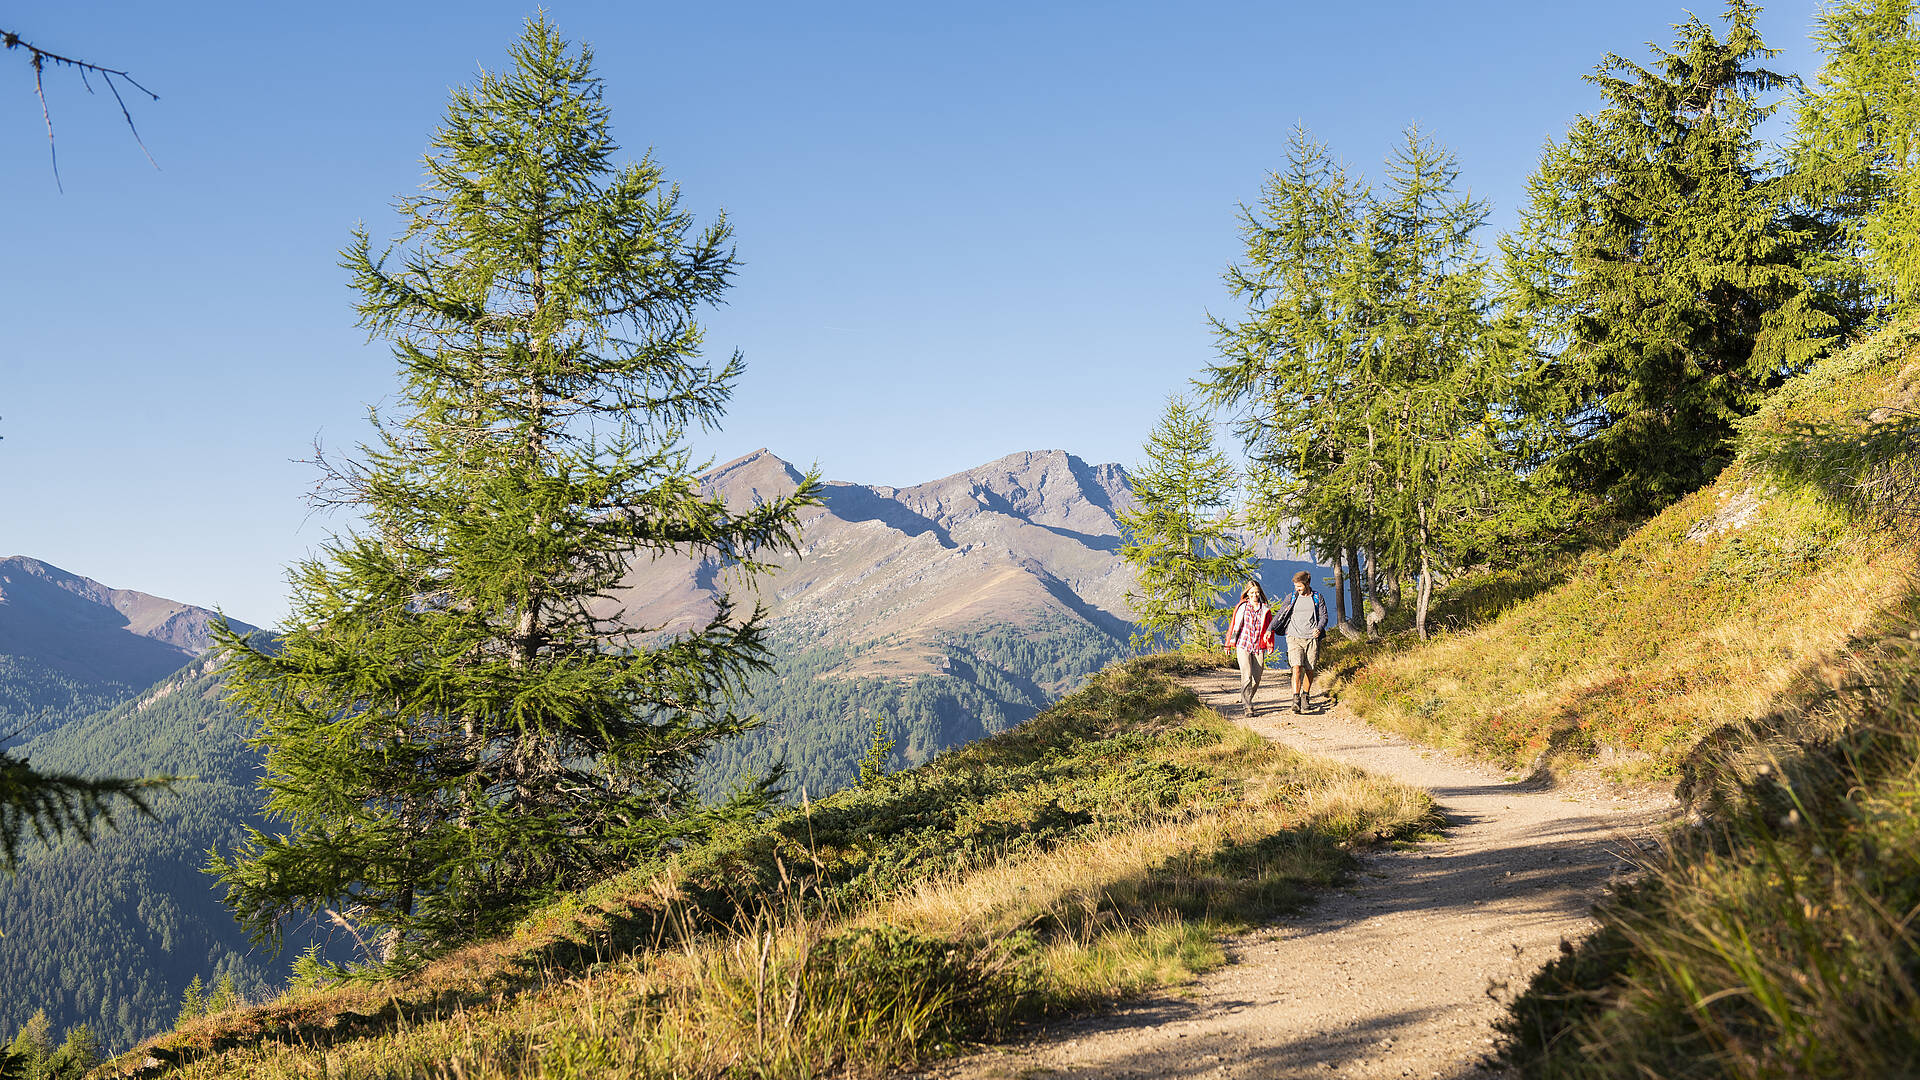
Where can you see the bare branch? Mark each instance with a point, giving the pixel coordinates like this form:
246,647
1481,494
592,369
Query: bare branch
38,58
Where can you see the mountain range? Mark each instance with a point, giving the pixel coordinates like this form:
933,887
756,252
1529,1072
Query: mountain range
1032,538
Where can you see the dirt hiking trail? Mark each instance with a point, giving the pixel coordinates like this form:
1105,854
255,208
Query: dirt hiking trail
1398,973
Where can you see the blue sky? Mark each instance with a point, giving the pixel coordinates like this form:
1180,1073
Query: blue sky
967,229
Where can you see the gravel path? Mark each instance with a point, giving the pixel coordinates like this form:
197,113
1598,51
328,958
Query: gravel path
1397,974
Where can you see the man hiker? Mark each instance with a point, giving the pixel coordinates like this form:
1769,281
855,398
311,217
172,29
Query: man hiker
1304,627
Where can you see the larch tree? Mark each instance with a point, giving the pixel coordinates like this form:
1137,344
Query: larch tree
48,806
1666,262
1433,390
456,722
1856,144
1293,369
1179,536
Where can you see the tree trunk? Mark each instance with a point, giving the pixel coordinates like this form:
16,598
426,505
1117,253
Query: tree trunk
1339,592
1426,580
1354,584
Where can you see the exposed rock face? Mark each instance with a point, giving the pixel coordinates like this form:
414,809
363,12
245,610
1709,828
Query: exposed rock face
1015,542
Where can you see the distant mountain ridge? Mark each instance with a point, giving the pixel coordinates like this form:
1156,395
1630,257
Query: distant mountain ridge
1030,538
70,645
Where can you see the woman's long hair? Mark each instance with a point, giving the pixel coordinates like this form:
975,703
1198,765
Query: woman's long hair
1253,585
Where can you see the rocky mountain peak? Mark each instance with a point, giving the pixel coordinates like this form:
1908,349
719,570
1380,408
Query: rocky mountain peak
757,477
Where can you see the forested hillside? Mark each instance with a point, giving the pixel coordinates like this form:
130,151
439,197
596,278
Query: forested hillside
819,720
111,934
153,920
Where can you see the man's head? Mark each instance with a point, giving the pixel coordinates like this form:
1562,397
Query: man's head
1303,582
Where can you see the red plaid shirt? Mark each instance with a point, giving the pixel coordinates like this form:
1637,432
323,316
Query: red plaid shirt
1252,632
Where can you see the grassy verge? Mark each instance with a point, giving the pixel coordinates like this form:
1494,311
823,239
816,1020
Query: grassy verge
1097,851
1776,937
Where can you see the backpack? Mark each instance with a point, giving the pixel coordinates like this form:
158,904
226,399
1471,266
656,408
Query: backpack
1280,624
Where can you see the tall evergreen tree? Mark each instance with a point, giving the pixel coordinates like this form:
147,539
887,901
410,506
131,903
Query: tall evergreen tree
456,720
1179,536
1375,407
1857,143
1665,259
1433,390
1290,369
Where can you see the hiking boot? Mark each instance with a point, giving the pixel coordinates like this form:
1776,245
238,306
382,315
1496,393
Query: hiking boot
1296,704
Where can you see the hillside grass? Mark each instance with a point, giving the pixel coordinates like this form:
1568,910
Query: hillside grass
1776,937
1095,852
1758,644
1713,612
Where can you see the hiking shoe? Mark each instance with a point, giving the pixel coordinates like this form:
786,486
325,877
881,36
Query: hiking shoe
1296,704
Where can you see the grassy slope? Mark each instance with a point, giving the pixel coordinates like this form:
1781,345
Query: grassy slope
1712,612
1771,666
1092,852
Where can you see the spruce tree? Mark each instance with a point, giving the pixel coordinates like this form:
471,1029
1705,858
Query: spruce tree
1665,260
457,719
78,1053
26,1056
1178,536
193,1003
873,764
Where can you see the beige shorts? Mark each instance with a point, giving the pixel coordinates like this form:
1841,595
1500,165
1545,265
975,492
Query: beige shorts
1303,652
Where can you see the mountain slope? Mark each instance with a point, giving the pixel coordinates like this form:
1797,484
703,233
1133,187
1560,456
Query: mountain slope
1089,855
1028,539
70,645
1020,540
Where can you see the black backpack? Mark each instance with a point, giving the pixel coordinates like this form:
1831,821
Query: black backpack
1280,625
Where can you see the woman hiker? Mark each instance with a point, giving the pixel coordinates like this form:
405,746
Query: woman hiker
1304,628
1249,634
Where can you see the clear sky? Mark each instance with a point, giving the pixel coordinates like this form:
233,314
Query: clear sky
967,229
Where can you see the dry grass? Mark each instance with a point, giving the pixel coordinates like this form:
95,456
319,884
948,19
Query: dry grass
634,979
1650,647
1775,935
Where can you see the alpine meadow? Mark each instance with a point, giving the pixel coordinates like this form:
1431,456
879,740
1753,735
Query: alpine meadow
576,738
